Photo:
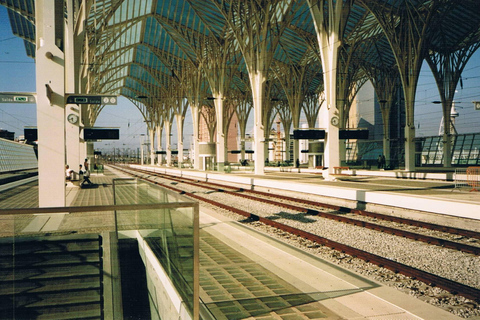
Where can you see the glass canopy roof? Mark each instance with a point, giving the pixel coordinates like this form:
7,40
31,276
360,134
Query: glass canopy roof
144,48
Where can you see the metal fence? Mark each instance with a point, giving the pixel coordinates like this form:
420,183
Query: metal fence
467,178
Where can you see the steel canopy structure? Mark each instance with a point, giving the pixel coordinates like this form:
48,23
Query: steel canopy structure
265,57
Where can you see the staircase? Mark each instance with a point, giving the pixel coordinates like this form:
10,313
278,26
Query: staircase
51,278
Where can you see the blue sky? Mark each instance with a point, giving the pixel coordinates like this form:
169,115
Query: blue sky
17,74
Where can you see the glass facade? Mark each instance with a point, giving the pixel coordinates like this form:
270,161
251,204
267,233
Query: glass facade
429,151
16,156
465,150
66,258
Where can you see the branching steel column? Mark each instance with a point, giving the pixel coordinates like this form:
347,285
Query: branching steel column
447,68
292,79
330,17
385,84
257,29
406,29
195,98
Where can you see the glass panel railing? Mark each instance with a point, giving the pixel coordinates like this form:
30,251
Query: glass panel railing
66,258
171,235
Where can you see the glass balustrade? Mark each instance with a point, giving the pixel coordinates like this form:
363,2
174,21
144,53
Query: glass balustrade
51,255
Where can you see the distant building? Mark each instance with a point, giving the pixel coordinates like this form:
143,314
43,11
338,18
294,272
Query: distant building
7,135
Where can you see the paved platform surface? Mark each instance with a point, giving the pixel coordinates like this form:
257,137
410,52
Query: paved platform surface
247,275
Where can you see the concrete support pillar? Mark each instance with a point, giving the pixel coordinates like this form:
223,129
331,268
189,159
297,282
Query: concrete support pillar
386,134
151,137
195,119
179,119
142,141
447,150
448,110
409,148
257,81
72,129
168,144
50,73
328,30
89,153
296,149
159,129
220,134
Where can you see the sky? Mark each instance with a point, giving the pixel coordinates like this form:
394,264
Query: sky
17,74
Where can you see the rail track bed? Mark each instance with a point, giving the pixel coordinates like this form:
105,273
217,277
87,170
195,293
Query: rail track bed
439,256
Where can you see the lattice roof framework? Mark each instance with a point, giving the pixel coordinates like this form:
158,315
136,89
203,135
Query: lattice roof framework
137,48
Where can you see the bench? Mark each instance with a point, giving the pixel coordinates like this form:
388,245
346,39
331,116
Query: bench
338,170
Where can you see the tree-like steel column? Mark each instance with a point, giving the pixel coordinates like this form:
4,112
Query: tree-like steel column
292,79
329,18
257,28
406,28
385,81
195,98
447,68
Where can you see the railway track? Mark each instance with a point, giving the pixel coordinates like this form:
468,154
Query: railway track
421,275
301,203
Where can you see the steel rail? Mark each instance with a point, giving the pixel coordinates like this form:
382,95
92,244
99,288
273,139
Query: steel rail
397,267
411,222
372,226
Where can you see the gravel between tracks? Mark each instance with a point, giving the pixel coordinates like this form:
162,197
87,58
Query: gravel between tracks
451,264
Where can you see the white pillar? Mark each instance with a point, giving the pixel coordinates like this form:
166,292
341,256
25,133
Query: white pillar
50,104
142,140
409,148
72,130
258,90
179,119
220,134
151,135
195,120
168,138
159,144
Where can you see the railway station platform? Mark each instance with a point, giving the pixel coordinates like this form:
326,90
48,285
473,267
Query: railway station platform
245,274
428,196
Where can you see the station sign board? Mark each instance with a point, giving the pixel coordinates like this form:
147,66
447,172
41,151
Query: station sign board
91,99
353,134
92,134
308,134
17,97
